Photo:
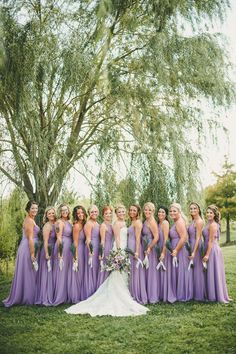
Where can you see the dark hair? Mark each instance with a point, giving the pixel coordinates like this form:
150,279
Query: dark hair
215,211
166,211
138,209
29,205
75,216
199,209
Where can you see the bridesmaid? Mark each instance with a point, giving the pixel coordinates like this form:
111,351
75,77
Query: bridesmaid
106,234
137,282
63,260
91,230
45,287
24,282
215,276
195,235
77,282
150,230
182,278
166,289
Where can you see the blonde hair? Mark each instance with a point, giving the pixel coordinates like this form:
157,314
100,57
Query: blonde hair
92,207
45,218
59,211
119,206
150,205
178,206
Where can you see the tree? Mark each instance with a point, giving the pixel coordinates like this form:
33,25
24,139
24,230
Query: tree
106,74
223,194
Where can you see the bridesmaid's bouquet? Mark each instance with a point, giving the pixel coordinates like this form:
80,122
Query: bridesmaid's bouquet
49,260
101,254
145,247
170,249
35,262
117,260
60,251
75,261
202,252
90,261
139,262
160,264
188,248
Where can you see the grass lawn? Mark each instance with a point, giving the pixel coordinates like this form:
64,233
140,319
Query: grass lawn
180,328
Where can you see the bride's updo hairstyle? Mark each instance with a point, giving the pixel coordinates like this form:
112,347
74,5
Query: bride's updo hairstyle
119,206
216,212
178,206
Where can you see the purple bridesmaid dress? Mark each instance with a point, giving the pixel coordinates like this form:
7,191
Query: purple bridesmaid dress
137,281
77,291
166,289
45,287
216,287
24,282
91,273
198,274
152,276
62,278
182,278
107,248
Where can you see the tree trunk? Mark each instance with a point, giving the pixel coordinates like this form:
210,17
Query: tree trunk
227,228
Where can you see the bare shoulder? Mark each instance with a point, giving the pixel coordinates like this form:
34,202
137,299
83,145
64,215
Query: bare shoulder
47,227
103,227
76,227
213,226
165,225
28,223
138,223
199,222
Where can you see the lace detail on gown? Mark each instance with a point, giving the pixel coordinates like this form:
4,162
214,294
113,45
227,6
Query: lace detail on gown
112,297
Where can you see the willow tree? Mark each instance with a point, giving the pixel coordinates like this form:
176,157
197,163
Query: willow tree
108,74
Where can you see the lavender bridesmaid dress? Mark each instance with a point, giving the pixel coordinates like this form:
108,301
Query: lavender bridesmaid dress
198,274
91,273
216,287
24,282
45,287
166,289
182,278
107,248
137,281
77,290
62,278
152,276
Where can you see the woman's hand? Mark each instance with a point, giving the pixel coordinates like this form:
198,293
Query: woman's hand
33,259
174,253
205,259
148,251
192,256
162,257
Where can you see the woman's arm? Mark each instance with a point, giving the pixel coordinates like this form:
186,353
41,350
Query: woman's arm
75,234
212,232
137,229
154,229
182,231
88,232
116,231
199,227
165,228
59,229
29,232
103,230
46,233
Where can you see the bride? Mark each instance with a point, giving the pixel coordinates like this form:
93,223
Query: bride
112,297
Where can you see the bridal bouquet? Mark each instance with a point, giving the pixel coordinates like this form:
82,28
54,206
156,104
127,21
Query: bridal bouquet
90,261
35,262
160,264
60,251
75,261
145,247
49,260
188,248
117,260
139,262
170,249
202,252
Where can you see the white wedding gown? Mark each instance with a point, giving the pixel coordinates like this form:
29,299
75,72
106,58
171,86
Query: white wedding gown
112,297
